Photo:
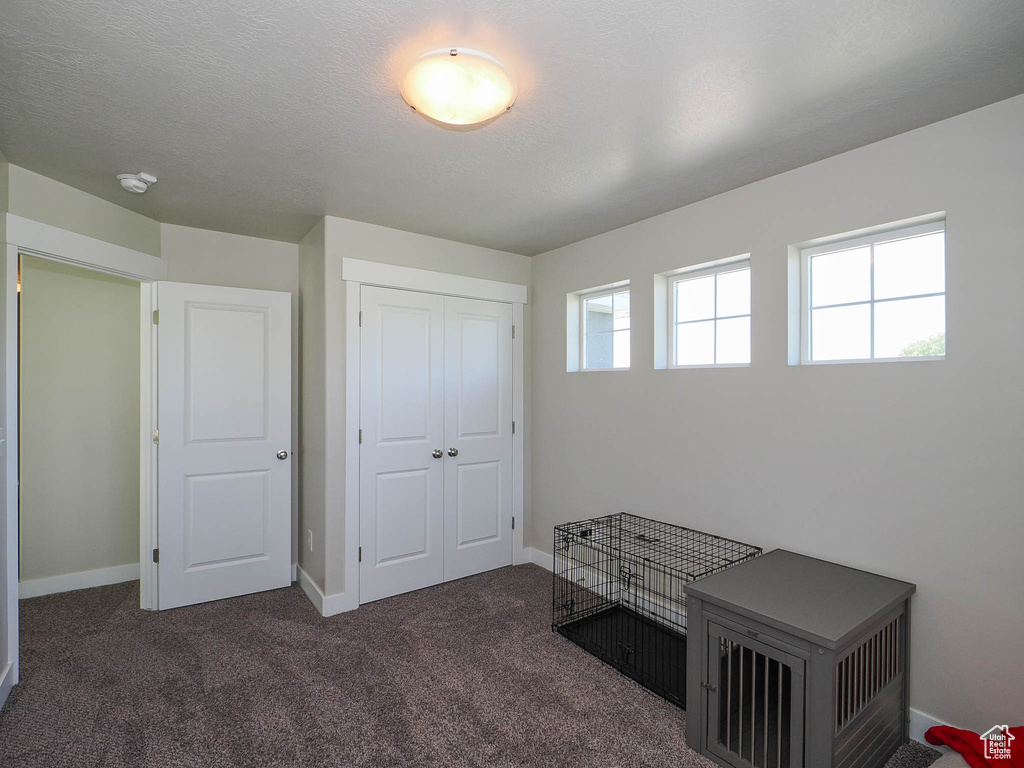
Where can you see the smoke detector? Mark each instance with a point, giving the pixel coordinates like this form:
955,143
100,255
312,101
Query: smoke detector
136,182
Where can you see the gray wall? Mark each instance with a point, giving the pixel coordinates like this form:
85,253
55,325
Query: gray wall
37,197
5,194
909,469
312,392
79,420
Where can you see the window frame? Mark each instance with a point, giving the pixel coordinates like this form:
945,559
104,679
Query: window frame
704,270
600,293
880,237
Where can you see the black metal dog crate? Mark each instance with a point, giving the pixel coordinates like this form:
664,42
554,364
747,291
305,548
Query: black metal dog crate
618,592
798,662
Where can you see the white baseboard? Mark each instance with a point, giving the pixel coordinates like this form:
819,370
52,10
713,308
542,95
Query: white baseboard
921,722
543,559
328,605
81,580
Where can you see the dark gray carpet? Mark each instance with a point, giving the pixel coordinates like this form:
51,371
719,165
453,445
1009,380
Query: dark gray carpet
464,674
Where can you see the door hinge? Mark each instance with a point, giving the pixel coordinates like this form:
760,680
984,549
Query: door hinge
513,331
513,427
360,437
156,317
156,437
513,523
360,318
709,686
156,555
360,554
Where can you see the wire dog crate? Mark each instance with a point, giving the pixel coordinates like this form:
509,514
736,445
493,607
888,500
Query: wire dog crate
618,592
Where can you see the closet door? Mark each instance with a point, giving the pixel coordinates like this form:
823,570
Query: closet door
477,437
401,469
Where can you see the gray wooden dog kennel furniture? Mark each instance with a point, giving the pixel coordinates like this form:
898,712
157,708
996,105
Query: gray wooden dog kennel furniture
794,661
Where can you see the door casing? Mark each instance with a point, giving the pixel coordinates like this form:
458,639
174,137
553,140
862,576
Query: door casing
32,238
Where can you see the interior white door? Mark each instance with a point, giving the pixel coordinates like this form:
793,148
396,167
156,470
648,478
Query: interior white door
478,437
224,417
401,477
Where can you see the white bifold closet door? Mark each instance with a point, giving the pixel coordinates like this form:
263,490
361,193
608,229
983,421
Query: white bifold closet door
436,451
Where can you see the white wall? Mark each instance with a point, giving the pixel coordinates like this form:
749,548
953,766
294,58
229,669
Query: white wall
79,420
913,470
219,258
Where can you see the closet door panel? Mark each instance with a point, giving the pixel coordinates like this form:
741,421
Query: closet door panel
478,437
402,420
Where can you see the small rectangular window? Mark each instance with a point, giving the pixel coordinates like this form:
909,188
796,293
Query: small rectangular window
709,317
880,297
605,323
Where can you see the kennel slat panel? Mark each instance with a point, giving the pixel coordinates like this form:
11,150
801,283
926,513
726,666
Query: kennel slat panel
754,702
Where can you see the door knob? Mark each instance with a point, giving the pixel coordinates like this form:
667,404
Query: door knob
453,451
282,455
438,453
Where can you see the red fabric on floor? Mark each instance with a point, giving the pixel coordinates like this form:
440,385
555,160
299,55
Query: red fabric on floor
972,746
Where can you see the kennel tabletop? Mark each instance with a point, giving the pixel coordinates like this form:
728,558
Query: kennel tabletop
821,602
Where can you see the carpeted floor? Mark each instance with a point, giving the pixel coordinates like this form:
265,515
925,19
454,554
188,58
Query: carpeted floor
464,674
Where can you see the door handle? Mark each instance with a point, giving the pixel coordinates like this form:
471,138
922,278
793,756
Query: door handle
453,452
438,453
282,455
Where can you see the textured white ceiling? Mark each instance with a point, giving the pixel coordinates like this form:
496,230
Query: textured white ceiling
259,116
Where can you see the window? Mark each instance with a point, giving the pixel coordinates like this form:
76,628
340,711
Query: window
605,323
709,316
881,297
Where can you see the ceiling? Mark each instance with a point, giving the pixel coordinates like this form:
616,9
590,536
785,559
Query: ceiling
260,116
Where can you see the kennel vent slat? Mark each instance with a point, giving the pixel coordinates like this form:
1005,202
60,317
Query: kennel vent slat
795,662
618,592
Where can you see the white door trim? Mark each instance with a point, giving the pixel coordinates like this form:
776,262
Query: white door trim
425,281
9,339
351,469
356,273
148,530
519,512
33,238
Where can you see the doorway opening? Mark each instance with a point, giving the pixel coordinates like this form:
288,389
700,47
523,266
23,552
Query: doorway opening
79,461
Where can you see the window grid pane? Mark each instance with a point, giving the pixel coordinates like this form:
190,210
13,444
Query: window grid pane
702,344
606,331
903,334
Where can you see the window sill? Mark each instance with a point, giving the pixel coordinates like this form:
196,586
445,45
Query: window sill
706,365
928,359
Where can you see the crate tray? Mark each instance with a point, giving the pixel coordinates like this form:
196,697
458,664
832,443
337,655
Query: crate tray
649,653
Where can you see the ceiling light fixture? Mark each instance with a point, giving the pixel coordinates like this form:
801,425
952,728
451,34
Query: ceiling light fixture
136,182
459,86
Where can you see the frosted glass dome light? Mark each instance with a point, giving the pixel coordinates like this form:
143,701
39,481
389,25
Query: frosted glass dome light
459,86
